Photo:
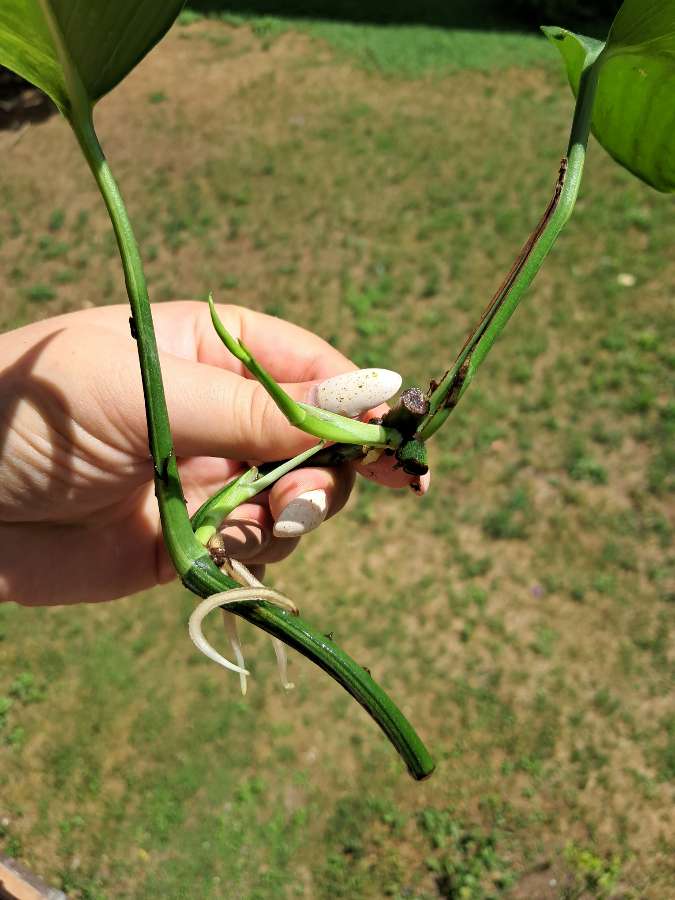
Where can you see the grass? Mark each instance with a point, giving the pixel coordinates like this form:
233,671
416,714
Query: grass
521,613
394,48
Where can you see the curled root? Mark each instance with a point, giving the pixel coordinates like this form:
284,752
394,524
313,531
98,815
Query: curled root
254,590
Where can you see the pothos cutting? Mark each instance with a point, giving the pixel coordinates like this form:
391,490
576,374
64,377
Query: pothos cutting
79,50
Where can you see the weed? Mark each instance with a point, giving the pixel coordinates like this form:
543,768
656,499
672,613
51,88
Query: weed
5,706
16,737
12,844
545,641
511,519
229,282
582,467
57,220
24,689
665,753
592,873
49,248
40,293
468,864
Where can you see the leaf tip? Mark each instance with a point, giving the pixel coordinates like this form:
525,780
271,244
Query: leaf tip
554,33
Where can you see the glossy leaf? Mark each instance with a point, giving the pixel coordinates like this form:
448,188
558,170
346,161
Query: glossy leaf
77,50
576,50
634,113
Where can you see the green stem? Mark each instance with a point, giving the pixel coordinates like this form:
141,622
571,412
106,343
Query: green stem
192,561
212,513
183,548
318,422
493,323
297,633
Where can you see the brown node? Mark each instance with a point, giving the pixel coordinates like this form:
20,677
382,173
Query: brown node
415,402
217,552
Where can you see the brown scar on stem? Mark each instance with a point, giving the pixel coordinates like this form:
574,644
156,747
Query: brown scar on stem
453,394
500,294
433,384
515,270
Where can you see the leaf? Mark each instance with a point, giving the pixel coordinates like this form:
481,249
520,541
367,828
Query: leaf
77,49
577,51
634,112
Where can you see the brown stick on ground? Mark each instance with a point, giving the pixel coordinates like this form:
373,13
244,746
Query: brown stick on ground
16,883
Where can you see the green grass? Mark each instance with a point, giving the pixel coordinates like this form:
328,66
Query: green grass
410,50
521,613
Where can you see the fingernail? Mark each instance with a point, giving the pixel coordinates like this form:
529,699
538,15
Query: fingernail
303,514
354,392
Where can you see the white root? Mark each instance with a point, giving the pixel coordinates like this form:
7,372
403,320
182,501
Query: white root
282,663
230,598
230,622
243,575
254,590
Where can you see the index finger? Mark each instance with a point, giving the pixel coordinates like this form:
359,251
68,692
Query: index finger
288,352
183,328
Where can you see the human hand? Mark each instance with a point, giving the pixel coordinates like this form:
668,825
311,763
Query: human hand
78,516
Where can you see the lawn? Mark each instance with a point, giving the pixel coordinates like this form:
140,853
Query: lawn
373,184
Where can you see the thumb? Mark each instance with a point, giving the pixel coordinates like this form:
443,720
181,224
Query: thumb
214,412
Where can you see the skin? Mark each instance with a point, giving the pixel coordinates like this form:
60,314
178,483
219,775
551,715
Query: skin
78,516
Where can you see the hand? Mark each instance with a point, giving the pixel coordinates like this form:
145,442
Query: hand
78,516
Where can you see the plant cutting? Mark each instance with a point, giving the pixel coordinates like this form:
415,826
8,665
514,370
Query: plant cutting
77,53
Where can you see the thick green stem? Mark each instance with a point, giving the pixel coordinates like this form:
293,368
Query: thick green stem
192,561
183,548
457,379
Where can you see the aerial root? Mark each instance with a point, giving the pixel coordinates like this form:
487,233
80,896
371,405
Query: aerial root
253,591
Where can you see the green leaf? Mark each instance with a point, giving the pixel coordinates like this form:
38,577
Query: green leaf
577,51
634,112
78,50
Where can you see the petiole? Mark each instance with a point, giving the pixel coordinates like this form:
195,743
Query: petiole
327,426
211,514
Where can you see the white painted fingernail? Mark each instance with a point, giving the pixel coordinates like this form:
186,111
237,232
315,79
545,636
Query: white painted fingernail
354,392
303,514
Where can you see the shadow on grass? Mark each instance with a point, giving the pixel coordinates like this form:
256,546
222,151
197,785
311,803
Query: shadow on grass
21,103
439,13
470,14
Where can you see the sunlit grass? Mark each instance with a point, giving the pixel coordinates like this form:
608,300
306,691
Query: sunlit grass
520,613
